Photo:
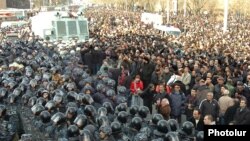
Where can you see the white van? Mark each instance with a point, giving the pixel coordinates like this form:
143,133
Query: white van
168,30
13,23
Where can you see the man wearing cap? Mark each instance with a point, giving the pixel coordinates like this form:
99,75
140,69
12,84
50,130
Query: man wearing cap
217,87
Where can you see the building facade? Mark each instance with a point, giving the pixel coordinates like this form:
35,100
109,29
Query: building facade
2,4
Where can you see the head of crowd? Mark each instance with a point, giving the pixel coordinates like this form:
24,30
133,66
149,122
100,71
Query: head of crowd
128,83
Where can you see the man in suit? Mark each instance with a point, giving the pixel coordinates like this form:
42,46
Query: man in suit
197,120
242,116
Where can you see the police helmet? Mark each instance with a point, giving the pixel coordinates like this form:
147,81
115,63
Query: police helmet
33,83
58,118
80,121
136,123
141,137
25,99
200,136
110,93
26,137
146,130
111,83
32,101
58,99
71,96
102,111
106,129
156,118
3,110
41,101
45,116
12,98
37,109
71,111
3,93
121,107
50,105
133,110
173,124
116,127
73,131
122,117
102,120
171,136
108,106
90,110
162,128
143,111
17,91
87,99
188,127
121,90
99,87
85,136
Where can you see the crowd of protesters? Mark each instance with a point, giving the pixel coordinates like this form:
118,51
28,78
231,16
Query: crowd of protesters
129,82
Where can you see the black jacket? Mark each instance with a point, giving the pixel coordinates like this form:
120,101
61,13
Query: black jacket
199,125
242,117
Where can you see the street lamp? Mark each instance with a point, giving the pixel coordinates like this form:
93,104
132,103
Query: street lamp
225,15
126,5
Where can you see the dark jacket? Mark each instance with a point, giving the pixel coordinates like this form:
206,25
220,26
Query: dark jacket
242,116
199,125
209,108
230,113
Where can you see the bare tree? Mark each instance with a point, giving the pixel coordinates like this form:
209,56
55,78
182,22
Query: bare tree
195,6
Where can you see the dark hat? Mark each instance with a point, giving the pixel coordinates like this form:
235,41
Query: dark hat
239,83
220,78
176,84
146,58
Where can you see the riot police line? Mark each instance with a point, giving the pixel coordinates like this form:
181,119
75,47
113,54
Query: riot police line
38,104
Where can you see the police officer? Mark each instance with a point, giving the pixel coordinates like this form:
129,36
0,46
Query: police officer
71,114
34,123
81,121
103,120
105,133
143,113
162,129
171,136
200,136
117,132
50,106
90,112
155,119
45,124
135,126
133,110
173,124
73,133
59,122
58,99
123,119
121,107
187,131
110,110
7,126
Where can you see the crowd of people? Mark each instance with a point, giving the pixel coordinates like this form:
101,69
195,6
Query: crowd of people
129,82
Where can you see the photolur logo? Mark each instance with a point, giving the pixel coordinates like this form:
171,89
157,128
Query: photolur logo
234,133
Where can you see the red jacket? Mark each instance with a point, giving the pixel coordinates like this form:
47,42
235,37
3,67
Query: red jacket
135,87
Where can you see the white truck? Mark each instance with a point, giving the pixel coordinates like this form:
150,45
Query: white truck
60,25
